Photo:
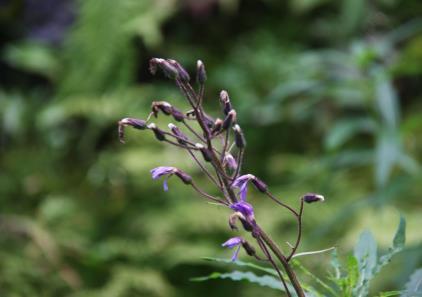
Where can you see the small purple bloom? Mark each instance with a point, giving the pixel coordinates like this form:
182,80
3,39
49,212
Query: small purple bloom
162,171
242,184
234,242
245,209
229,161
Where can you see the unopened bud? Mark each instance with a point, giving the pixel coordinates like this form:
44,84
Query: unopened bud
168,69
230,119
250,250
312,197
229,162
186,178
233,220
201,75
206,153
159,134
239,138
225,101
176,131
209,121
260,185
135,123
177,114
164,106
218,124
183,74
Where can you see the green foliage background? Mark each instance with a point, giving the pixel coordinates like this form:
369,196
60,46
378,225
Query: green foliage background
328,94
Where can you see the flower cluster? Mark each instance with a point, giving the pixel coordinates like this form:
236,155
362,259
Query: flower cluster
218,148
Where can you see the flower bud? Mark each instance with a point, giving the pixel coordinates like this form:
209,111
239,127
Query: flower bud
239,138
169,70
164,106
312,197
233,220
180,136
186,178
135,123
230,119
225,101
201,75
177,114
250,250
260,185
229,162
205,152
159,134
218,124
182,73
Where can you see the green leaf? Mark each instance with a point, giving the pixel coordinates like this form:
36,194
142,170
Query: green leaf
398,244
244,264
263,281
366,254
389,293
413,287
345,129
352,271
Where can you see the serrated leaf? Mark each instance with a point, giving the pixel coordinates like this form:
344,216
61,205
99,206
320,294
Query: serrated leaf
244,264
352,271
366,254
413,287
264,281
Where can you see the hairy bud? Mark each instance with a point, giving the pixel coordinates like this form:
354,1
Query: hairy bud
260,185
230,119
218,124
201,75
177,114
206,154
183,74
176,131
312,197
159,134
135,123
239,138
186,178
250,250
225,101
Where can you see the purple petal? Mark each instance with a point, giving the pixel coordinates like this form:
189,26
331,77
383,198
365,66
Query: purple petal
235,254
165,185
232,242
244,208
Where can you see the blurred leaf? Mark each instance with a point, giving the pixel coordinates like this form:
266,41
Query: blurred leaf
413,287
386,155
365,252
242,263
343,130
33,57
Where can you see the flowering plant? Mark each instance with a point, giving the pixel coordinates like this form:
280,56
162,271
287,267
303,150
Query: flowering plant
218,148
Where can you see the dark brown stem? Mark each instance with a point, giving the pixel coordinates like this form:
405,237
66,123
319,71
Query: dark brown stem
289,270
294,212
299,231
208,196
203,168
270,259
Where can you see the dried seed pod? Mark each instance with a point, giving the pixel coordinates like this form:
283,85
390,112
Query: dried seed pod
239,138
201,75
159,134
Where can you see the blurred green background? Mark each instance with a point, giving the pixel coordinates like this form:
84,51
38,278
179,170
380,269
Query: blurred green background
328,93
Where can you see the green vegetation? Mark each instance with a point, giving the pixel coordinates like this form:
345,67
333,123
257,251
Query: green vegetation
331,102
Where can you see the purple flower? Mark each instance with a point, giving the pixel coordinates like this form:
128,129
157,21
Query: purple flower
245,209
229,161
234,242
242,184
163,171
312,197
